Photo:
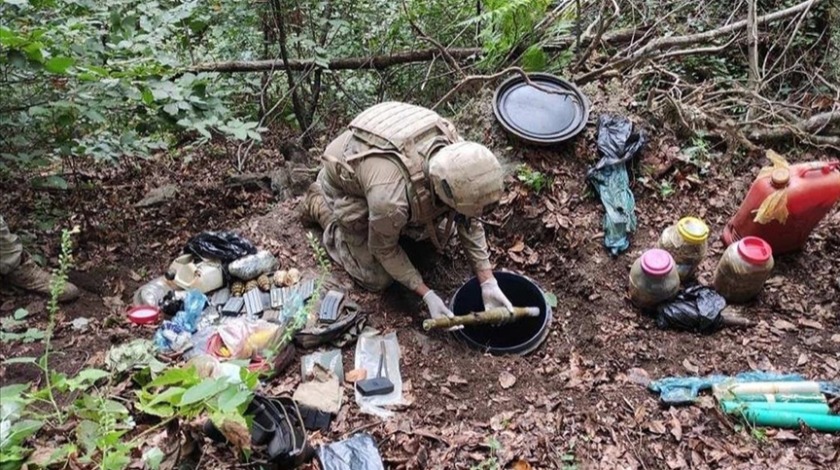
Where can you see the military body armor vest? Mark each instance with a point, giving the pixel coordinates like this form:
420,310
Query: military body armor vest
408,135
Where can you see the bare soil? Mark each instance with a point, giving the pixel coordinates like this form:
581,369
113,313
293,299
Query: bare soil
575,402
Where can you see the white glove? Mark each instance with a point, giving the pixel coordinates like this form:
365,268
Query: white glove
493,297
437,308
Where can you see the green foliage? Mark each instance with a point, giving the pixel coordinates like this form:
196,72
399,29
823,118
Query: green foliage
536,181
491,462
9,324
302,313
698,154
100,79
666,189
504,23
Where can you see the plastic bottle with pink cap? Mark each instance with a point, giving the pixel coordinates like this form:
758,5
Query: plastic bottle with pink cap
653,279
743,269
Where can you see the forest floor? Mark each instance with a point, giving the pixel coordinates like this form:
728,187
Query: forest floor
576,402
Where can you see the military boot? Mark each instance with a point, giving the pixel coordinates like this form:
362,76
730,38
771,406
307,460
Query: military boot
29,276
314,207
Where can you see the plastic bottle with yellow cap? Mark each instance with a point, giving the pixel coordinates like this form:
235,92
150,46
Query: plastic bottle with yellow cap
687,242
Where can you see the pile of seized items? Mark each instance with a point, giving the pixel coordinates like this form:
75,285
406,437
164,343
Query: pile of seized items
224,305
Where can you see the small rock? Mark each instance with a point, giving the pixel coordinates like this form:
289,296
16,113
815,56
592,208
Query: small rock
835,338
158,196
506,380
80,324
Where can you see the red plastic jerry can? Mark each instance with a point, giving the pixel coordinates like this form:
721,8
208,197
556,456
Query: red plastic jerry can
785,203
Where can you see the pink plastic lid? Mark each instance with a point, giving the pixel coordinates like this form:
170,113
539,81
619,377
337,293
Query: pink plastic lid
754,250
657,262
143,314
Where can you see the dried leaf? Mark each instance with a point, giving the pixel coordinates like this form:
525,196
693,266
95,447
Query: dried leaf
835,338
785,435
638,376
811,324
521,465
355,375
236,433
690,367
517,247
455,379
506,380
676,429
784,325
656,427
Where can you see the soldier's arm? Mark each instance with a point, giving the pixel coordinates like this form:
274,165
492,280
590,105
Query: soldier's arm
474,243
388,212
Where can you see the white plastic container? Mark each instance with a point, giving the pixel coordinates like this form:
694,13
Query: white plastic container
205,276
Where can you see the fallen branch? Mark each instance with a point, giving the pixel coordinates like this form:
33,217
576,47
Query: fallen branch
488,78
652,48
347,63
807,129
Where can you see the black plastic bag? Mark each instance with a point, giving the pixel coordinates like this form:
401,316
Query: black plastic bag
358,452
618,143
696,309
222,246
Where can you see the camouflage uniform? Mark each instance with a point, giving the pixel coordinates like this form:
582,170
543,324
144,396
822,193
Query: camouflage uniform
22,272
373,188
11,249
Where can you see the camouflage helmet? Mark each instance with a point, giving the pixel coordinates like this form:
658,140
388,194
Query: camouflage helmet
467,177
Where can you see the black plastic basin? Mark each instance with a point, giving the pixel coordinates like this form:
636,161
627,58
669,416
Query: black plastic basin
520,337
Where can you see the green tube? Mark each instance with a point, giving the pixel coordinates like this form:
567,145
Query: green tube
781,419
736,407
779,398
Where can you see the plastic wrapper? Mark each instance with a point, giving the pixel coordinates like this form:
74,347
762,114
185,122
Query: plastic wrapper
618,143
358,452
251,266
137,354
222,246
696,309
244,338
189,317
684,390
368,353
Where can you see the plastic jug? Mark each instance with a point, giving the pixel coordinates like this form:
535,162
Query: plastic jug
743,269
687,242
653,279
206,276
785,203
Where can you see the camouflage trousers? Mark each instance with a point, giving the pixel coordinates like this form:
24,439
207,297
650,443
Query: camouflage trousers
345,222
11,249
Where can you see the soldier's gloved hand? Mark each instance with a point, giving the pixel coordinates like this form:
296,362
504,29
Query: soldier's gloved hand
437,308
493,296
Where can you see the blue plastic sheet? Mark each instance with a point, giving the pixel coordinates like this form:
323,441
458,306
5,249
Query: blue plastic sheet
618,143
684,390
174,335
